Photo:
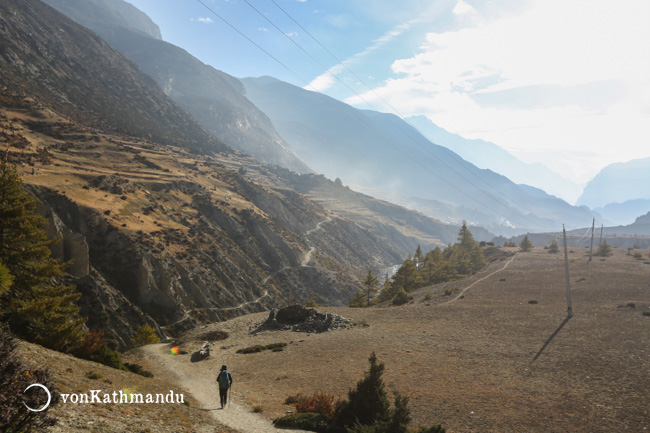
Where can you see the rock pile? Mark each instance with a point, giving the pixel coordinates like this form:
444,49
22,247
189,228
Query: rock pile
300,319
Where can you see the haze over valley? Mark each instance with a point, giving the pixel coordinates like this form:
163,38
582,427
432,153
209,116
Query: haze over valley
184,204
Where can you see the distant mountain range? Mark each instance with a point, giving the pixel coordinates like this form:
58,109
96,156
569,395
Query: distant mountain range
313,132
383,153
484,154
620,191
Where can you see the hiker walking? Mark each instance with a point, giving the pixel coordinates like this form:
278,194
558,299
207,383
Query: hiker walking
225,382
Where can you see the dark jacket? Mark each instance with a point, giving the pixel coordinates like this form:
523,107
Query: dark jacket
229,378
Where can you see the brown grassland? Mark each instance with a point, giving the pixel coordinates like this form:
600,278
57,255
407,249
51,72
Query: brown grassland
481,360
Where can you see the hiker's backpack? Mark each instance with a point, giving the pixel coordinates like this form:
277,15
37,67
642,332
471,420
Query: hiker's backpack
223,379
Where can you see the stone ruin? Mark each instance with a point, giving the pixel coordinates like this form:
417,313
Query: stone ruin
300,319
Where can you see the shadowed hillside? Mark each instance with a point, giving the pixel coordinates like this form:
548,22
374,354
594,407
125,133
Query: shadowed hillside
79,75
215,99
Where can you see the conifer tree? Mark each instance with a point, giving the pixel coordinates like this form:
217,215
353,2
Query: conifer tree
145,335
368,403
358,300
407,276
604,250
36,308
553,248
371,284
525,245
418,258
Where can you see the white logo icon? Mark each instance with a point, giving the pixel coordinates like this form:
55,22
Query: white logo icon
49,397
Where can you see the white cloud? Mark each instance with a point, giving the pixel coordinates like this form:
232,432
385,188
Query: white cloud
327,79
463,8
570,75
203,20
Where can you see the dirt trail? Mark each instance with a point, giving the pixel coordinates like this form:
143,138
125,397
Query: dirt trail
199,380
187,313
462,292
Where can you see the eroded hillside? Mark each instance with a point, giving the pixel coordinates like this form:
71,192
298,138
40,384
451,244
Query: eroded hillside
158,234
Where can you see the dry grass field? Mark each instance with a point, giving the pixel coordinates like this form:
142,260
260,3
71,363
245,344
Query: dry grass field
482,360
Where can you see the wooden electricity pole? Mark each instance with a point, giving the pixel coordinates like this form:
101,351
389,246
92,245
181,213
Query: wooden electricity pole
568,283
591,248
601,235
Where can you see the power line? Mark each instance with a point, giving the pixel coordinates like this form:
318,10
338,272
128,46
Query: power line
414,139
453,155
413,159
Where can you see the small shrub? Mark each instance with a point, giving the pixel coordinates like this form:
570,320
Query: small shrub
428,296
401,297
450,291
137,369
93,375
532,301
251,349
275,347
293,399
631,305
258,409
304,421
311,303
646,313
319,402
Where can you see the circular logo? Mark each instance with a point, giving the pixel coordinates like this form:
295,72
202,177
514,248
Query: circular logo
49,397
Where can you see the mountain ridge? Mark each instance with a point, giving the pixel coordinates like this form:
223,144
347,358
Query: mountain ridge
381,151
214,98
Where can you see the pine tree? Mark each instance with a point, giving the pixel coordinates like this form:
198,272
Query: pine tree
371,284
358,300
604,250
145,335
553,248
368,403
407,276
525,245
36,308
418,258
388,290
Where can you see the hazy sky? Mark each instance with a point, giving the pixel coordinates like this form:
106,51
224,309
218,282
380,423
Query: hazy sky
562,82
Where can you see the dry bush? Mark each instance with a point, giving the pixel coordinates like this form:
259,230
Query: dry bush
319,402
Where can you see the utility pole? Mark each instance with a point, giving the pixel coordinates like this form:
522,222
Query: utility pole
568,284
601,235
591,248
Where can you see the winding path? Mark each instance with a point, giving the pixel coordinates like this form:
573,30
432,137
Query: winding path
462,292
307,258
193,378
187,313
304,262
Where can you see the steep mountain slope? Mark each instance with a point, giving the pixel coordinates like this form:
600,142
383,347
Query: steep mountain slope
163,235
81,76
381,151
215,99
618,183
484,154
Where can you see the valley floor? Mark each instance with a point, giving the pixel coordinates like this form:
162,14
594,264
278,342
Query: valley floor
498,355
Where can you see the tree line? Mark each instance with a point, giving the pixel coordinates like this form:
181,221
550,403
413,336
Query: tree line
454,262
